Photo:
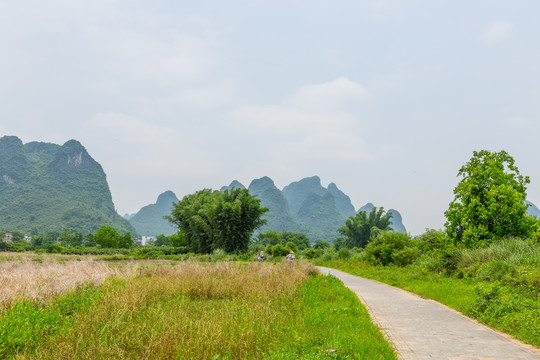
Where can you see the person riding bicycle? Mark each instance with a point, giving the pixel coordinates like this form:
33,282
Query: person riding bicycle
290,256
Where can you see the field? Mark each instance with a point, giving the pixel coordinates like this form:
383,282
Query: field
70,307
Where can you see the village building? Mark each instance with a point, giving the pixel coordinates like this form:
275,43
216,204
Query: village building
8,237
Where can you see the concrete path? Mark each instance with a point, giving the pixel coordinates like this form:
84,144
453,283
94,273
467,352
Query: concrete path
425,329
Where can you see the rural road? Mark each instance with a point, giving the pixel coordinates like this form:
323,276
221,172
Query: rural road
424,329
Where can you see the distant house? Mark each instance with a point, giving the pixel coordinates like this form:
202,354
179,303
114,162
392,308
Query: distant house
146,239
27,238
8,237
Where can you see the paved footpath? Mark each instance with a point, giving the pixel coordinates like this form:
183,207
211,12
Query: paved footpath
425,329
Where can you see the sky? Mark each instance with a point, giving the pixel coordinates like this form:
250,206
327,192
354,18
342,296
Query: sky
385,98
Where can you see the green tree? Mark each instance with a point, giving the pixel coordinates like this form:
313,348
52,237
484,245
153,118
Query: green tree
272,237
489,201
178,239
18,236
162,240
69,237
300,240
107,237
214,220
361,228
88,240
125,241
392,248
319,244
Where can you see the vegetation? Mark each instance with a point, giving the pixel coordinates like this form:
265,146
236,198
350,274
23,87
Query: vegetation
213,220
361,228
256,311
489,201
271,237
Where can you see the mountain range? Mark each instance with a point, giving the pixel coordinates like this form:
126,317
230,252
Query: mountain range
302,206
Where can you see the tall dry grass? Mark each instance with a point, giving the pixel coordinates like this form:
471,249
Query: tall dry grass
188,312
42,278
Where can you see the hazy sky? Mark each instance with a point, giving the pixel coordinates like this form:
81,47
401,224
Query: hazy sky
385,98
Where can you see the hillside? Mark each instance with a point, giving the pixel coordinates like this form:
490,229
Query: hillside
47,187
149,220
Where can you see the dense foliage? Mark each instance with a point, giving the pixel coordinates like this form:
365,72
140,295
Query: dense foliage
213,220
361,228
489,201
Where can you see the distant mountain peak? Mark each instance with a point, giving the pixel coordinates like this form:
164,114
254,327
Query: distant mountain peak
167,196
261,184
234,184
149,219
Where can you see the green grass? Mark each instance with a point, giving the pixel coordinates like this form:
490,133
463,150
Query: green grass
223,311
26,323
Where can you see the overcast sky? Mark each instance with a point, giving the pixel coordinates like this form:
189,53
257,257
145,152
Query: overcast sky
385,98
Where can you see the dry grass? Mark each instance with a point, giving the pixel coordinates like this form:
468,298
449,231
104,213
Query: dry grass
42,277
186,311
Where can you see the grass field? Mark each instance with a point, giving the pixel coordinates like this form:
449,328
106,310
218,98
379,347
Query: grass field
137,310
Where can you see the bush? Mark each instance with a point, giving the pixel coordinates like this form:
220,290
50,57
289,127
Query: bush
496,270
344,253
433,240
291,247
279,250
314,253
54,249
391,248
328,254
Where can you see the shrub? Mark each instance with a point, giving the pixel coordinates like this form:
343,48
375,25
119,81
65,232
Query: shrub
54,249
344,253
391,248
279,250
328,254
487,295
432,240
291,246
314,253
496,270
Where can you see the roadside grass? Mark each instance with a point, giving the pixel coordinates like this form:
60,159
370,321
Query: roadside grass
498,285
189,311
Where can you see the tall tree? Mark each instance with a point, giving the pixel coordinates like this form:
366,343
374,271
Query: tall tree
359,229
489,201
218,220
69,237
107,237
